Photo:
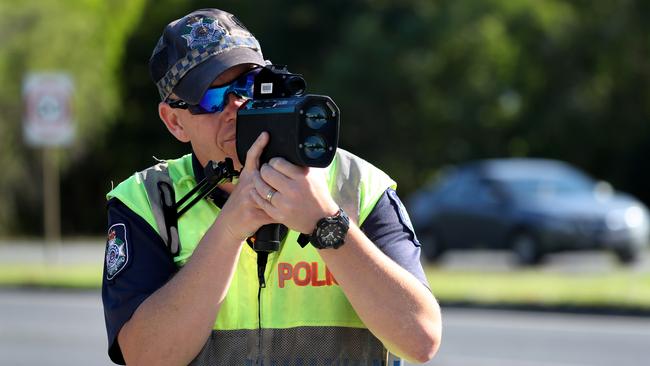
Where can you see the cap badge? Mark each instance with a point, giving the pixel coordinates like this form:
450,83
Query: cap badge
203,32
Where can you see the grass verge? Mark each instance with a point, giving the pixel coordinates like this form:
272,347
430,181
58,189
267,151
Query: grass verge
77,276
623,290
619,289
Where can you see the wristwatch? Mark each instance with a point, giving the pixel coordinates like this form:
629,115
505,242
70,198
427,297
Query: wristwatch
330,231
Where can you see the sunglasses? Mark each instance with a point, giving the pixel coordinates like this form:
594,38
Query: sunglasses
215,98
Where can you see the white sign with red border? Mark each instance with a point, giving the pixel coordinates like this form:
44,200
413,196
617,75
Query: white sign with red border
48,109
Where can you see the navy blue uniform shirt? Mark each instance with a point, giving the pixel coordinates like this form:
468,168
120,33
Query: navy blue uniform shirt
138,263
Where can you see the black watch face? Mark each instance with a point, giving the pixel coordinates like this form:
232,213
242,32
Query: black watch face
331,235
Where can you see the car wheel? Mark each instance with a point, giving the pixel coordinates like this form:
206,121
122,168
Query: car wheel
526,248
432,247
627,255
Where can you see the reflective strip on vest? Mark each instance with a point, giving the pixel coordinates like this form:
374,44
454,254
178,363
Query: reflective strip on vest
294,346
346,195
152,179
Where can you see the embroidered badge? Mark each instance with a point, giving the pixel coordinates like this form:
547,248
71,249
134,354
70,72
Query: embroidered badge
203,32
117,253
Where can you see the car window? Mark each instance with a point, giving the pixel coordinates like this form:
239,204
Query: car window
548,187
448,184
484,193
459,189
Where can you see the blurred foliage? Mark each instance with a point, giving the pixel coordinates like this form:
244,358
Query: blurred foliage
83,38
450,81
420,84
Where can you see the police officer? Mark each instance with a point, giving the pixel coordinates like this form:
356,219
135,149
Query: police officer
356,293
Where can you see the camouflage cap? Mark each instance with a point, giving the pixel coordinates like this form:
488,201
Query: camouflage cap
196,49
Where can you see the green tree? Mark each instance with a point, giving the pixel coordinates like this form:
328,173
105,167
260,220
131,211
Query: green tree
432,83
423,84
420,84
84,38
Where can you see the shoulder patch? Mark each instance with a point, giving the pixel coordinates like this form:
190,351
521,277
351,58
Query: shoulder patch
117,251
403,215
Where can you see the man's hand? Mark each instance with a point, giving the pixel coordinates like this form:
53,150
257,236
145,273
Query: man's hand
301,195
241,216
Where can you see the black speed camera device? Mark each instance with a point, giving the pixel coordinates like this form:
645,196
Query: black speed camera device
303,128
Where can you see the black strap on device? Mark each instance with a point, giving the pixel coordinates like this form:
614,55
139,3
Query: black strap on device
170,210
215,174
266,239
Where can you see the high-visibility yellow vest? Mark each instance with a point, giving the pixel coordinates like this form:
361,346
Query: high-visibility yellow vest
302,316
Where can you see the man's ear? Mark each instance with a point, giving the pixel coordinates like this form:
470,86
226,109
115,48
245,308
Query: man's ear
171,118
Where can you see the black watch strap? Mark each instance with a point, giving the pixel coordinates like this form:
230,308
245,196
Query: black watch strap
303,239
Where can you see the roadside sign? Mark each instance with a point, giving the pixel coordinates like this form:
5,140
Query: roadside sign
48,109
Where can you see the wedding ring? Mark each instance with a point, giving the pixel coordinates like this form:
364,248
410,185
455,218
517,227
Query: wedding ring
269,196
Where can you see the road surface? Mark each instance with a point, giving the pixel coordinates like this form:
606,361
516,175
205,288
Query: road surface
67,328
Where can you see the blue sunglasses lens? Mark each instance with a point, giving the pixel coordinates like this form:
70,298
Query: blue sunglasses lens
215,99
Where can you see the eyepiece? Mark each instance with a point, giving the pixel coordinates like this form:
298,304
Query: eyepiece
295,85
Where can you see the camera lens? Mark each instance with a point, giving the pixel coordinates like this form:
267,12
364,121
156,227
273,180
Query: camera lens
316,116
315,147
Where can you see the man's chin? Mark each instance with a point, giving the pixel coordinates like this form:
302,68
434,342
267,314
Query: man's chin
232,153
236,164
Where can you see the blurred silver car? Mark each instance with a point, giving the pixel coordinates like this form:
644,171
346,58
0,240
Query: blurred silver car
532,206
